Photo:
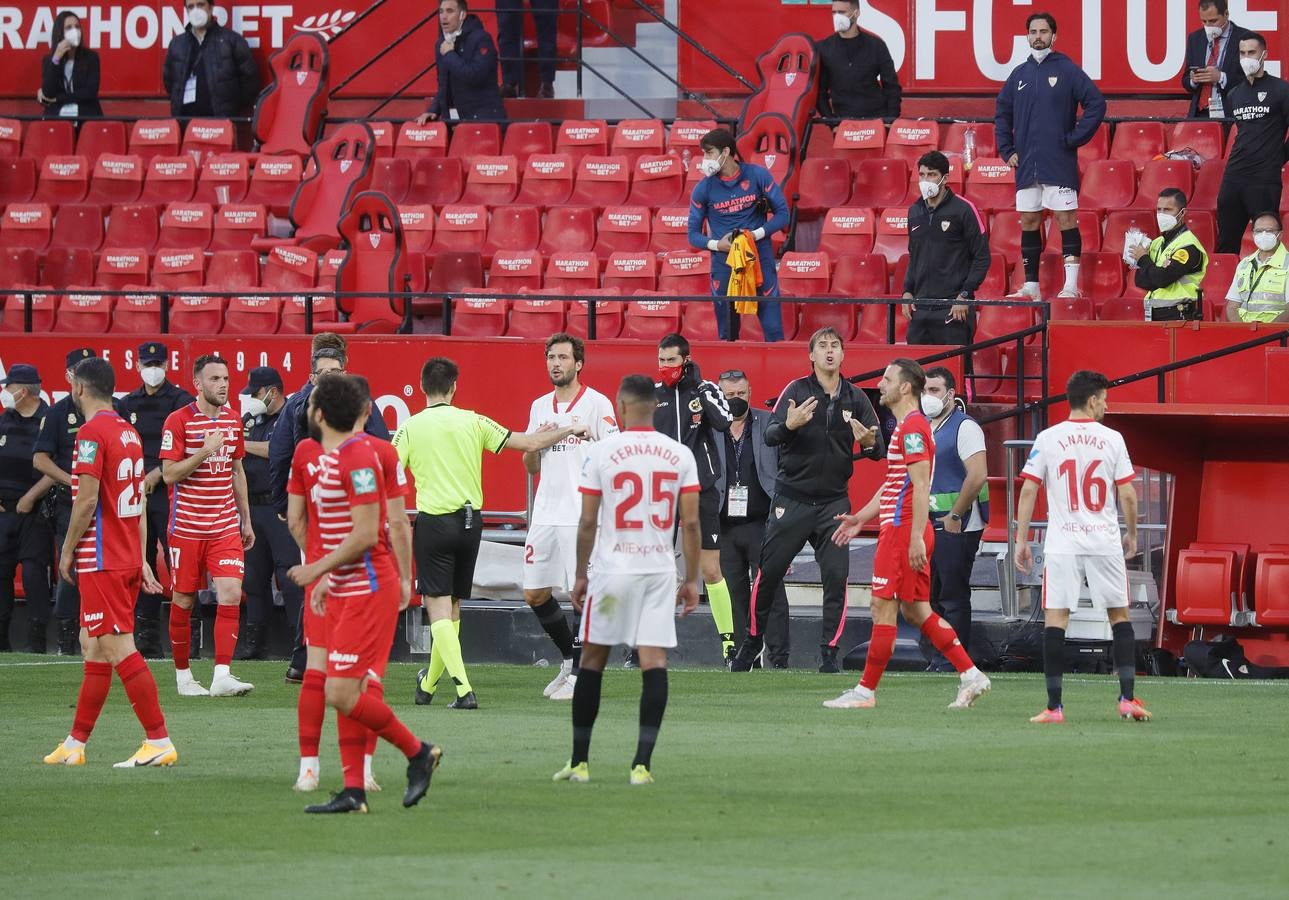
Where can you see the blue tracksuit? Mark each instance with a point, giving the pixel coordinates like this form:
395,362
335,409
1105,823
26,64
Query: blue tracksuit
730,205
1036,116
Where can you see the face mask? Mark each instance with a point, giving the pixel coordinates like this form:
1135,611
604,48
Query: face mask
254,407
1250,66
1212,31
198,17
670,375
152,376
1266,240
841,22
7,400
73,37
1166,222
1040,55
932,405
738,406
710,167
928,189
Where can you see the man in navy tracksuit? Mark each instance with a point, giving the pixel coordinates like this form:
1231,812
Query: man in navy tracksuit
467,69
1039,133
737,196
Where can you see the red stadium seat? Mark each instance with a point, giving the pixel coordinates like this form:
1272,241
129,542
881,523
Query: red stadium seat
536,318
155,137
548,180
78,226
995,321
804,274
10,138
491,180
116,179
383,133
994,287
289,112
1204,587
602,181
1089,230
238,226
179,269
134,226
1207,184
122,268
1217,281
169,179
422,141
325,317
418,227
1159,174
858,276
991,185
1119,221
523,139
622,229
232,270
223,179
1122,309
788,82
670,230
568,228
1004,234
17,180
1108,184
954,139
842,316
290,269
908,139
879,183
1205,138
187,225
1096,148
207,137
376,261
651,318
460,228
26,226
479,315
608,315
1202,224
634,138
855,139
137,314
196,315
1271,589
771,142
685,273
456,271
64,268
437,181
657,181
1076,309
274,181
892,237
512,228
825,183
339,169
1137,142
571,271
84,313
1101,275
685,134
629,272
51,137
99,137
329,266
513,271
580,138
63,179
699,321
249,314
18,265
471,139
847,231
42,312
391,177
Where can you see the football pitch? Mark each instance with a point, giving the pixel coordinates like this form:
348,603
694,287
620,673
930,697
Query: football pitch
760,792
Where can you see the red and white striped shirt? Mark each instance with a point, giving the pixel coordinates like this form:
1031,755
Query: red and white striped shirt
352,475
911,442
202,505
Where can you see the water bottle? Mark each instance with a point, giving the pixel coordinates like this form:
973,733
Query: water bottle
684,160
969,148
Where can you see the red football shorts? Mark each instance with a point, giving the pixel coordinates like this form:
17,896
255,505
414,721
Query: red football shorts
362,632
893,577
107,600
192,559
317,628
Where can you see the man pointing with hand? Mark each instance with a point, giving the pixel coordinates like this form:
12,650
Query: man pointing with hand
821,425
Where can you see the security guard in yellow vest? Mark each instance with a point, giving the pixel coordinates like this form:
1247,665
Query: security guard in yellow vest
1171,269
1260,289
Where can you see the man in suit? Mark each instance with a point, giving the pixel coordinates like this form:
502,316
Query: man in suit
1212,61
746,484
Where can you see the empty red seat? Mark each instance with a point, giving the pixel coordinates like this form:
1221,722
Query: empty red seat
804,274
842,316
699,321
825,183
657,181
1089,221
847,230
196,315
602,181
238,226
418,227
18,266
1203,587
634,138
63,179
234,270
137,314
290,269
991,185
572,271
460,228
122,268
622,229
1119,221
84,313
686,273
391,177
1122,309
10,138
179,269
1101,275
295,311
994,287
669,231
249,314
206,137
491,180
65,267
436,180
995,321
685,134
26,225
570,228
608,315
383,135
651,318
78,225
1108,184
629,272
1217,281
339,169
289,112
1271,589
548,180
892,236
169,179
274,181
15,315
155,137
132,225
1205,138
97,137
422,141
982,133
456,271
116,179
513,271
1207,184
50,137
479,315
1077,309
1137,142
1096,148
863,275
534,318
329,266
512,228
1159,174
471,139
223,179
908,139
185,225
579,138
523,139
879,183
17,180
855,139
376,262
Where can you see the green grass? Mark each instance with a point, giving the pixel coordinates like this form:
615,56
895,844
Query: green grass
760,792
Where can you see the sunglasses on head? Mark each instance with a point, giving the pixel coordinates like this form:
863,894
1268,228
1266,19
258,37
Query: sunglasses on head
733,375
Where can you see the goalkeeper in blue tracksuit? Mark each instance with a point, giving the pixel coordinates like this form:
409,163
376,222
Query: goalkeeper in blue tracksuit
733,197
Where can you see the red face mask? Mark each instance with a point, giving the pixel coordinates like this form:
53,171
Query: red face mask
670,375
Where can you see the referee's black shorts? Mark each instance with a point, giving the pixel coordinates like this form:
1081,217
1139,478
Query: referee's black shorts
445,548
709,517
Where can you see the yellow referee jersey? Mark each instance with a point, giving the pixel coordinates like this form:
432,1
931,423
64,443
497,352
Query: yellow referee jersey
442,446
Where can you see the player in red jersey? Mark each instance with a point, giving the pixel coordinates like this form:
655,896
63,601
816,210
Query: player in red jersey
103,555
901,568
210,522
361,569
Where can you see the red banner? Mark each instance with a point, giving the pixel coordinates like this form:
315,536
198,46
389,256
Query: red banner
969,46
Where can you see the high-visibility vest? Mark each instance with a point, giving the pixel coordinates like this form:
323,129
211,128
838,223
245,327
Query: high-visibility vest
1262,286
1188,286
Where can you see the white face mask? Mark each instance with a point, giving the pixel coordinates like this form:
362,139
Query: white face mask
1040,55
1250,65
73,37
929,189
153,376
710,167
841,22
1212,31
932,405
1166,222
7,400
254,407
198,17
1266,240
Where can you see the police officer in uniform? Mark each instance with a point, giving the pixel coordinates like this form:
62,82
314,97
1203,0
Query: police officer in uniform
274,550
53,459
1171,268
26,538
146,408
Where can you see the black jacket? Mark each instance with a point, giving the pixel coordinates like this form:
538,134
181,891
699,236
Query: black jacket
691,412
1261,113
948,250
84,90
1229,62
857,78
817,460
228,74
1184,262
468,75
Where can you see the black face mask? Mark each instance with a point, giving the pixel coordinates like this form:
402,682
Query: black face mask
738,406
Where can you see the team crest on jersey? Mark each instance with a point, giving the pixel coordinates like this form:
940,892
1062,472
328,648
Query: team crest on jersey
167,441
745,185
134,418
913,443
845,416
1262,95
3,439
363,480
86,451
695,405
944,226
779,511
1052,80
71,418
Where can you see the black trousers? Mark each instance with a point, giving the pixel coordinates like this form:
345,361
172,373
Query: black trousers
67,598
1238,201
157,510
951,563
740,563
27,540
273,553
510,38
791,524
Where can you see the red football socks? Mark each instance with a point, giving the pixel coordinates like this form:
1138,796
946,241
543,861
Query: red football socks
141,688
95,685
374,714
946,641
226,623
353,740
880,647
376,690
310,710
180,635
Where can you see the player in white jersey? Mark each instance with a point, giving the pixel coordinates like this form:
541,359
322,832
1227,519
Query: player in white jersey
1084,467
550,551
633,486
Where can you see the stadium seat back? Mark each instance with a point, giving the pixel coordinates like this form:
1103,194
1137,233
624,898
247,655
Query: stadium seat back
1117,223
116,179
1204,137
1096,148
1101,276
99,137
685,134
169,179
513,271
892,237
14,317
685,273
462,227
479,315
1217,281
1207,184
568,228
436,180
234,270
622,229
602,181
341,166
879,183
384,135
512,228
84,313
237,225
608,315
634,138
629,272
422,141
1163,173
571,271
491,180
579,138
196,315
804,274
657,181
1137,142
78,225
1204,587
391,177
155,137
418,227
954,138
991,185
177,269
1271,589
651,318
853,140
842,316
376,260
523,139
289,112
250,314
290,269
17,180
50,137
1108,184
908,139
121,268
205,137
223,179
547,180
538,319
858,275
10,138
847,231
826,182
470,139
65,267
294,312
63,179
669,231
1089,221
274,181
456,271
137,314
132,225
187,225
19,266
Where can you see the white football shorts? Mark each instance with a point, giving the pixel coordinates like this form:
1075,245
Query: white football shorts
1064,574
638,610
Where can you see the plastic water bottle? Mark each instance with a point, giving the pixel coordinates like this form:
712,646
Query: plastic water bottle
684,160
969,149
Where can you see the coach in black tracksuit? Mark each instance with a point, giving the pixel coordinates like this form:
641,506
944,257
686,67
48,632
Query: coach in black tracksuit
817,423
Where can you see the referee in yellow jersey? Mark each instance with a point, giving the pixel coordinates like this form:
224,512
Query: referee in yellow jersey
442,446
